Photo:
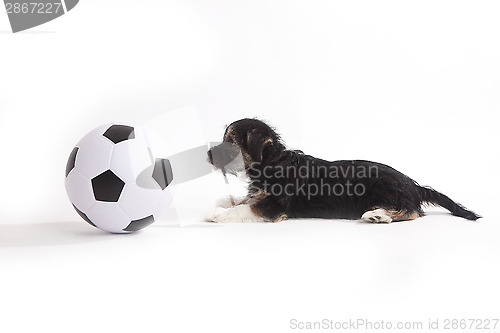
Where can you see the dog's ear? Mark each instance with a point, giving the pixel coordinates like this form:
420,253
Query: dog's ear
257,143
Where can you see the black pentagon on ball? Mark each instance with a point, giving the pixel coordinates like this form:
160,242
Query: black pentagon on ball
162,172
84,216
139,224
107,187
71,161
119,133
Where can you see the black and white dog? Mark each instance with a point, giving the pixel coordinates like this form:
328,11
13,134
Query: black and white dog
289,184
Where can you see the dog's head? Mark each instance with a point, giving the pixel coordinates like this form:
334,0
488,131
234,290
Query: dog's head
256,141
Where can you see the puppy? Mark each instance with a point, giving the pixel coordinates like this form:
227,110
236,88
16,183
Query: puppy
289,184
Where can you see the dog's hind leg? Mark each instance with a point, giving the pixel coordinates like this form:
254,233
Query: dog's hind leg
382,215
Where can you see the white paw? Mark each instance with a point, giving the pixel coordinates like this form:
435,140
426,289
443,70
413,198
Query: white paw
241,213
376,216
213,213
229,201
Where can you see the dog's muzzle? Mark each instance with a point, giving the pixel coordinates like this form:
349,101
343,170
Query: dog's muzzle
227,157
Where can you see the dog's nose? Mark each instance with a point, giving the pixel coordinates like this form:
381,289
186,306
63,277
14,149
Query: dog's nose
210,157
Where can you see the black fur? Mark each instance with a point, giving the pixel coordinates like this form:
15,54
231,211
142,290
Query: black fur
265,156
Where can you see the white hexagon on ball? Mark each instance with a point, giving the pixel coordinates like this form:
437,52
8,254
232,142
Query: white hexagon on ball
113,180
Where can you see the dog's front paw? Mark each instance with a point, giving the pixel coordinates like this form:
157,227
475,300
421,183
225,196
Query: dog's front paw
213,214
225,215
229,201
376,216
242,213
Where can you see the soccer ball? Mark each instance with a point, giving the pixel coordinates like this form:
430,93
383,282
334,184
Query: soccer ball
114,181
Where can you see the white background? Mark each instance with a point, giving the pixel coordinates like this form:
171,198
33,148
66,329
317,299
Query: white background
413,85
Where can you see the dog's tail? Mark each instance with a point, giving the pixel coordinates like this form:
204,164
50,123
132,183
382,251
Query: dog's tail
433,197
